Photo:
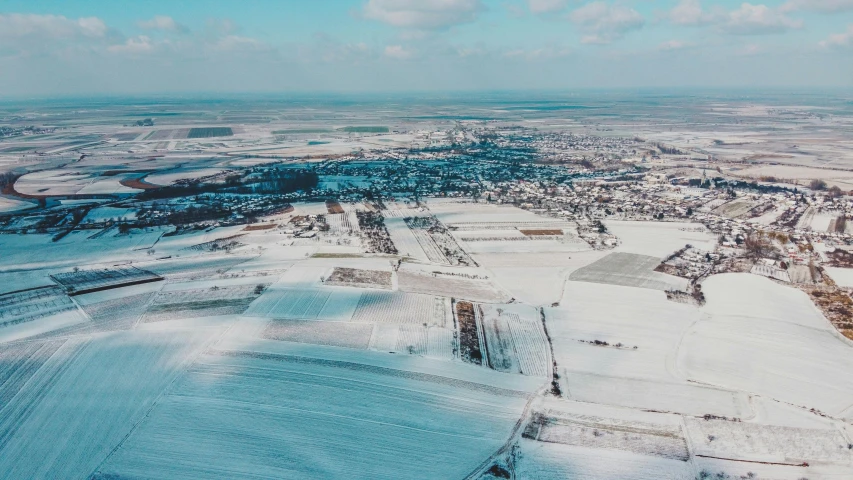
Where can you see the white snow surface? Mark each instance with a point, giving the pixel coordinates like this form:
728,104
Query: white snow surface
762,337
659,239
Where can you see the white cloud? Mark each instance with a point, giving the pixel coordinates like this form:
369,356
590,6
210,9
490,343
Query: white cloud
238,43
423,14
223,26
840,39
397,52
822,6
543,53
162,23
16,25
465,52
690,12
134,45
674,45
748,19
330,50
750,50
604,23
546,6
757,20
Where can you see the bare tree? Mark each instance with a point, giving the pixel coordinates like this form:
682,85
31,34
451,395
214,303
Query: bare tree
758,246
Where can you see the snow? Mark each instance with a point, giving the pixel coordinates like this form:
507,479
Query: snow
170,177
843,277
452,212
404,239
645,377
109,185
87,398
103,214
388,427
820,222
769,339
33,251
549,461
525,246
659,239
116,293
9,205
535,278
769,217
315,380
41,325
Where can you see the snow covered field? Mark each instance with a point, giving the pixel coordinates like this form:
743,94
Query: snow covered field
659,239
630,270
9,205
843,277
618,373
87,383
170,177
762,337
390,427
259,363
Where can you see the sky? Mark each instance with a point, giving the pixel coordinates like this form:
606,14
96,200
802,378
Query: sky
107,47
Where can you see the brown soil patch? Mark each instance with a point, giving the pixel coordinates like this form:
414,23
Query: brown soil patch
840,258
333,207
761,156
469,339
9,189
252,228
532,233
836,305
360,278
138,183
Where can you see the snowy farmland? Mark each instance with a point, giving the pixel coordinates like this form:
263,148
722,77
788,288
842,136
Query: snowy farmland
660,239
544,357
392,427
630,270
80,383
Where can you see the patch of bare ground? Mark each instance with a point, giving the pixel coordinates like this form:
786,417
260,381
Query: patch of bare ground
355,277
333,207
469,338
253,228
223,244
739,265
765,156
285,209
668,269
533,233
679,296
836,305
9,189
790,218
378,240
138,183
840,258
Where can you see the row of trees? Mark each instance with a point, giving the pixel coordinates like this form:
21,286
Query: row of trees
273,181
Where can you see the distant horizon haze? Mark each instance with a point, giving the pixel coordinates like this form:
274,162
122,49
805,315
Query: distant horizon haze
101,48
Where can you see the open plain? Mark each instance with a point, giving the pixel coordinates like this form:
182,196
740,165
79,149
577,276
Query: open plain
380,289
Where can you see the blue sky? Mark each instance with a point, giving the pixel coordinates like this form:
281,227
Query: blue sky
114,47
